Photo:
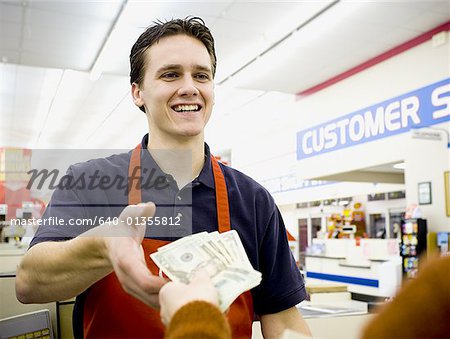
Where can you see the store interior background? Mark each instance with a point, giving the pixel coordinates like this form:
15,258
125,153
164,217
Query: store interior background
283,67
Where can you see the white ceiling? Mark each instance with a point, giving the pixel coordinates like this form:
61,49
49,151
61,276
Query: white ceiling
52,53
384,173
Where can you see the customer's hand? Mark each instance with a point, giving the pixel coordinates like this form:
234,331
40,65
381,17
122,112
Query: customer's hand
124,249
174,295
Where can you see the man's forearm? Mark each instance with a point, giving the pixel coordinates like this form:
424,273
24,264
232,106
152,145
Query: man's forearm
52,271
273,325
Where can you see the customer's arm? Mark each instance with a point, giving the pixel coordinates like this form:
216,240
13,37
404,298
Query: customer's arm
198,319
191,311
420,309
52,271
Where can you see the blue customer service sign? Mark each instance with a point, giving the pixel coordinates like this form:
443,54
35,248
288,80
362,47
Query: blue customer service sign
423,107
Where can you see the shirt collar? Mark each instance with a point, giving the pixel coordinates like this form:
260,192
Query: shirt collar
205,177
206,174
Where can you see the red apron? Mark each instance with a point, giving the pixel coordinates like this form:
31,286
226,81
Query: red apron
110,312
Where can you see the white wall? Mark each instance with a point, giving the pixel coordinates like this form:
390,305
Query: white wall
426,161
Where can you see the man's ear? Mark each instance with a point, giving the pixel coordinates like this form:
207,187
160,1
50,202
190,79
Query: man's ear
136,94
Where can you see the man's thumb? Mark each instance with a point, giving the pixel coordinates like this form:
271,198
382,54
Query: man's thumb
141,210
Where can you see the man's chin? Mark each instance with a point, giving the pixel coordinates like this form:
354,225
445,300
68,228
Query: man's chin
190,133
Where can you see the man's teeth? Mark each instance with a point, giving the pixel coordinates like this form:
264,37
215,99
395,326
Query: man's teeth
184,108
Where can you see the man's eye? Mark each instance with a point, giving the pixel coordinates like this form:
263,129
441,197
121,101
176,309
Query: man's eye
202,76
170,75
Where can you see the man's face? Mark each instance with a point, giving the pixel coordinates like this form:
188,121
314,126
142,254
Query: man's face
178,89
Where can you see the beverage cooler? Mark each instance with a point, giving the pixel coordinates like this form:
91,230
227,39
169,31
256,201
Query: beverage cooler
413,245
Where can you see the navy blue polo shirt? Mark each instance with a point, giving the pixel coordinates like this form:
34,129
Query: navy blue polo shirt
253,214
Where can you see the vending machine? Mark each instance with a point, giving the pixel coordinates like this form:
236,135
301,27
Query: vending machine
413,245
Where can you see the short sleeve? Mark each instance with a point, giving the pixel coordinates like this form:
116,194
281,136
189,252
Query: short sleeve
282,285
61,215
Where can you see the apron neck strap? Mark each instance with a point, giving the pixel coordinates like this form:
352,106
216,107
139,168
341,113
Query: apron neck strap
134,176
223,209
222,206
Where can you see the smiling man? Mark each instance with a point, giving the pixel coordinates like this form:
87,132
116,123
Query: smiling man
108,266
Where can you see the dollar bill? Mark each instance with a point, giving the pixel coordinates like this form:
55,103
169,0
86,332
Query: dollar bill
221,245
233,244
223,257
232,282
180,261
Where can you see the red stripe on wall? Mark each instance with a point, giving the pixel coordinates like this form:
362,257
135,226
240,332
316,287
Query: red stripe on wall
376,60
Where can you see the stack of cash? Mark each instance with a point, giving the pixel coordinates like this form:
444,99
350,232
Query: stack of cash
222,255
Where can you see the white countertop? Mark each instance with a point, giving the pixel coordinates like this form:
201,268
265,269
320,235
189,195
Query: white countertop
332,309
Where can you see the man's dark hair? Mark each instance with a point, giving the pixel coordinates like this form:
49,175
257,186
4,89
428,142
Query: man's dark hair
191,26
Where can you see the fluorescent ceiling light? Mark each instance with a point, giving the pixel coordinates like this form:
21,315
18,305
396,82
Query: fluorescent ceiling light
50,86
98,65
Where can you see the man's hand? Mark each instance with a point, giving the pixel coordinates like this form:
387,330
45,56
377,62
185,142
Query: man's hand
59,270
124,251
174,295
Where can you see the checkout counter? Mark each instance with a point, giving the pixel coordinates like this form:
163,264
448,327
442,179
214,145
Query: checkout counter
10,256
337,269
329,320
367,266
60,313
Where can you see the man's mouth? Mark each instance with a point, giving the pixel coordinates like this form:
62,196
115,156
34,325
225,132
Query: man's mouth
186,108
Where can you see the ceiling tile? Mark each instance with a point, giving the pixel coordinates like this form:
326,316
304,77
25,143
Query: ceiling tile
11,30
143,13
93,9
10,12
9,44
8,56
426,21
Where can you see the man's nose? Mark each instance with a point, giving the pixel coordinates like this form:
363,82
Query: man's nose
188,86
